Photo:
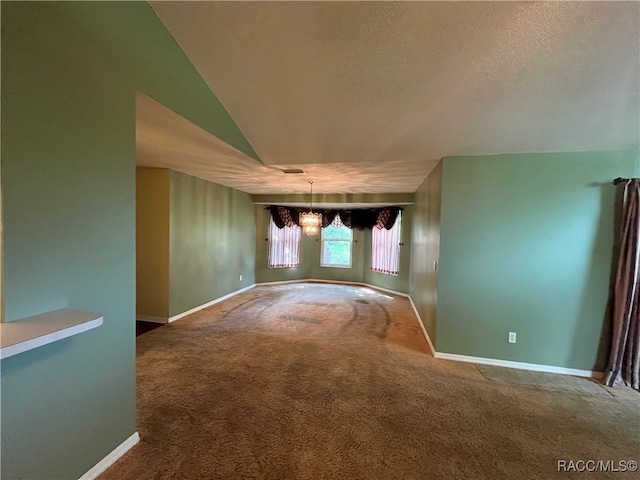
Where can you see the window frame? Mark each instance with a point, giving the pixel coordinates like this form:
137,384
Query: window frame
322,243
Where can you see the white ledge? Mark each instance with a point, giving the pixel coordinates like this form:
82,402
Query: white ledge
33,332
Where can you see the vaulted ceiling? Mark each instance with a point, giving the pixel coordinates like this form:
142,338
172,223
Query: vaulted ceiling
367,97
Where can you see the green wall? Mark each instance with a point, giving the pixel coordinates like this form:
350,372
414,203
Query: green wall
194,240
212,237
425,248
526,246
152,242
70,71
133,35
310,268
68,152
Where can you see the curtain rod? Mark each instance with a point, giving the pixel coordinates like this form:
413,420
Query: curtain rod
345,209
618,180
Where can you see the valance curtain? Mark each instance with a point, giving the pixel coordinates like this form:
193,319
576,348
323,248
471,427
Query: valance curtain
624,359
360,219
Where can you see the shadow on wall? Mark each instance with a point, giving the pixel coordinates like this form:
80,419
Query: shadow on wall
608,227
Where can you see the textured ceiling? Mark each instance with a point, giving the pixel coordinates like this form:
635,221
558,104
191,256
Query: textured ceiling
165,139
342,87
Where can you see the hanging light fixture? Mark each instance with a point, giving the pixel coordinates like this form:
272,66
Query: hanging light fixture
309,221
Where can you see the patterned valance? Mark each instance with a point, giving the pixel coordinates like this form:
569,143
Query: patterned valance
362,218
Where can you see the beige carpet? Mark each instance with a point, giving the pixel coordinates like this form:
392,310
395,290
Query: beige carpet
314,381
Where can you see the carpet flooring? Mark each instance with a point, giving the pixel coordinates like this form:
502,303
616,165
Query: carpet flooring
319,381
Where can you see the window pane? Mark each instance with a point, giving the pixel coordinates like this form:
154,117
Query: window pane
336,253
333,232
336,246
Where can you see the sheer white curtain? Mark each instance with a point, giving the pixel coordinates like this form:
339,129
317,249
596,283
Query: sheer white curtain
284,246
385,249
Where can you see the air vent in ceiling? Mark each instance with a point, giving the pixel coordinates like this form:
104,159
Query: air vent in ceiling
292,170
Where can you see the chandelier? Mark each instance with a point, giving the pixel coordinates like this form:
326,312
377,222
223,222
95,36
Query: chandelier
309,221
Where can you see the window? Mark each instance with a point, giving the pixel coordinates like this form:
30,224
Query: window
284,246
385,249
336,245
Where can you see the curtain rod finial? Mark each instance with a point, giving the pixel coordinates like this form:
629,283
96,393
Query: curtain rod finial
618,180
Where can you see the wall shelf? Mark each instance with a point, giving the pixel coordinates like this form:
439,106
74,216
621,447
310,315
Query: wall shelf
33,332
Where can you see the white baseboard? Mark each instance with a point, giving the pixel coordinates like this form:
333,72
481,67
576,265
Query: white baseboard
149,318
281,282
341,282
208,304
424,330
519,365
111,458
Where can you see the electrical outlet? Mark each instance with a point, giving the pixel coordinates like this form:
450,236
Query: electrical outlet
240,277
512,337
